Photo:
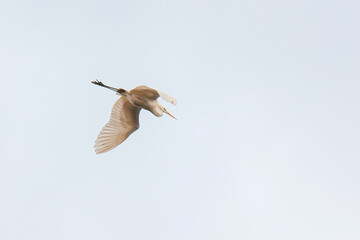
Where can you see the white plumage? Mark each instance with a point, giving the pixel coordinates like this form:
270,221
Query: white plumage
167,97
124,118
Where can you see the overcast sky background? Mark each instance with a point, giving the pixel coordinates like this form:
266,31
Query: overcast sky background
267,141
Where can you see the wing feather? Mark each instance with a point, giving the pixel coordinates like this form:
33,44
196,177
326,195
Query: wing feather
167,98
124,120
145,92
152,94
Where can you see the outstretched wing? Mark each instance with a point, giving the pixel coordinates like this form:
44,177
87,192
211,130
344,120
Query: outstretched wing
152,94
124,120
167,98
145,92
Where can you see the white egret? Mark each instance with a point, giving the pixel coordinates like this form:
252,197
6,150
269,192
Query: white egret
124,118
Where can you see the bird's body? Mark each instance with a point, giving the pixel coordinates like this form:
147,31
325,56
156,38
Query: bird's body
124,119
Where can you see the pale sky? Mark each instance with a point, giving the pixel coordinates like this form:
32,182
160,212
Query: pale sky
267,141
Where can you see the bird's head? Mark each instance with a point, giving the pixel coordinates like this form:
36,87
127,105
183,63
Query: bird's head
165,111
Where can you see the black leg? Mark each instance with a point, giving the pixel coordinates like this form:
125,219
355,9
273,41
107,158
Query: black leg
97,82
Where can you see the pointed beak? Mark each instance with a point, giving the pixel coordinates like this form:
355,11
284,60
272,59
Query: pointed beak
165,111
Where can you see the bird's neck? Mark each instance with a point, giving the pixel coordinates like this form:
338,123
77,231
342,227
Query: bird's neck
156,109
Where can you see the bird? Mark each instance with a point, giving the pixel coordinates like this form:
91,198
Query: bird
124,118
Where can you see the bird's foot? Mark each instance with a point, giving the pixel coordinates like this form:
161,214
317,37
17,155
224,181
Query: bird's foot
97,82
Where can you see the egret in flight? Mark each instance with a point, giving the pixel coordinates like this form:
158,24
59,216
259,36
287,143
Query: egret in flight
124,118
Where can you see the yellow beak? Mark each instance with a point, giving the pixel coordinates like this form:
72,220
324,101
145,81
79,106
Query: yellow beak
165,111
